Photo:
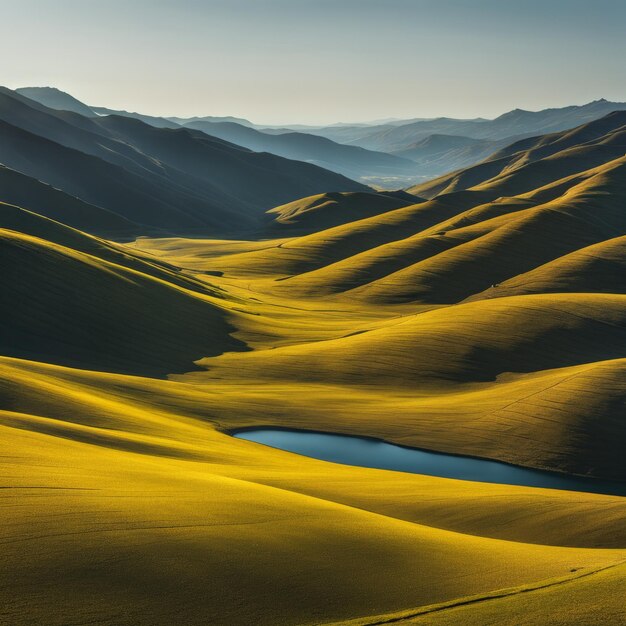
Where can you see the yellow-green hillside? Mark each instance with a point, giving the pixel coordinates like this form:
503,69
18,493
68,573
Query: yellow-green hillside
332,209
150,516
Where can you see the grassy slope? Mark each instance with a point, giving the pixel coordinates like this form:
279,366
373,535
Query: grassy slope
151,516
326,210
593,598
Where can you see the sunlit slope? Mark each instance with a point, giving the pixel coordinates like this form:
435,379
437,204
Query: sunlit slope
309,252
333,209
81,307
150,516
470,342
599,268
479,241
491,251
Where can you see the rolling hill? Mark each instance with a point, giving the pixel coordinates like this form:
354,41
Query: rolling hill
484,316
66,291
326,210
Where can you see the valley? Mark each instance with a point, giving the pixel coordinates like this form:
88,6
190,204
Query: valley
163,288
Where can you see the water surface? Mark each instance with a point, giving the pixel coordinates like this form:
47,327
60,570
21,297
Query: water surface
366,452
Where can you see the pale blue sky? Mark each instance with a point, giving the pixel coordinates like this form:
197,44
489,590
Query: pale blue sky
317,61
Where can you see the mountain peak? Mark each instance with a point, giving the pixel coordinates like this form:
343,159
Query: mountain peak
54,98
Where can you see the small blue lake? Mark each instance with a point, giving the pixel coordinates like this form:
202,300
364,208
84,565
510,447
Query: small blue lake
365,452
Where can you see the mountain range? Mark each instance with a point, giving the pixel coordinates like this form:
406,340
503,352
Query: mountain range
170,180
423,148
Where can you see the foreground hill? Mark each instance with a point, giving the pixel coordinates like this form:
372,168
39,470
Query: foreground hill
164,179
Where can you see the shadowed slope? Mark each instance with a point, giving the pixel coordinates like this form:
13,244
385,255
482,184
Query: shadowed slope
21,190
71,307
176,179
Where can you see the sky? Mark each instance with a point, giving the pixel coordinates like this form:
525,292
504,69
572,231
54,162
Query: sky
318,61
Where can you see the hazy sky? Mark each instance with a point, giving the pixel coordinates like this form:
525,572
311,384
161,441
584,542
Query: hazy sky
315,61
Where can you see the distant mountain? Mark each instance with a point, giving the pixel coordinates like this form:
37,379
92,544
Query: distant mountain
387,153
56,99
394,138
441,153
352,161
528,163
181,121
159,122
174,180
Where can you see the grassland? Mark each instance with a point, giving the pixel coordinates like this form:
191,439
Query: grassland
490,321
